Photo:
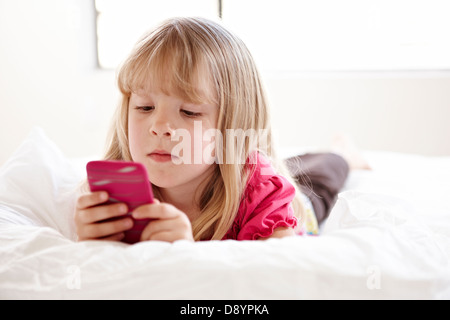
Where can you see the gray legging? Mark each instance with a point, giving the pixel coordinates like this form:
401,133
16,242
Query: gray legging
320,177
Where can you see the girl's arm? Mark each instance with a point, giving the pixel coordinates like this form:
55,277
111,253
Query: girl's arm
280,232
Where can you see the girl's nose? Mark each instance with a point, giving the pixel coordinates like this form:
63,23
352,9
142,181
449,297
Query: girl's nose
161,127
161,132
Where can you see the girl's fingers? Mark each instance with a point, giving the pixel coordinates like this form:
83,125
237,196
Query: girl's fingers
115,237
156,211
91,199
105,230
157,226
168,236
167,224
96,214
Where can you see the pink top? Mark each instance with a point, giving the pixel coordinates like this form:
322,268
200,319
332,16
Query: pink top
265,206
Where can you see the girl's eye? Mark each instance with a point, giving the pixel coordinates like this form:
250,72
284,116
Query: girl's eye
191,113
145,108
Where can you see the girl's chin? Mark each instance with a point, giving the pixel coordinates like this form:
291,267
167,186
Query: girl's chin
163,181
161,184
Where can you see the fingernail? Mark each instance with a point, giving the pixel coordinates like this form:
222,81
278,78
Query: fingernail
128,223
123,209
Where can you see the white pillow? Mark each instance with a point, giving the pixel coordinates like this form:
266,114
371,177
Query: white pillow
38,186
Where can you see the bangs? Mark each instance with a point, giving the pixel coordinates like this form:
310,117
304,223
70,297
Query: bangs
170,61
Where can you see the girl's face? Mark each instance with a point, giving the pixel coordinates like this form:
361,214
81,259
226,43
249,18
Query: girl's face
166,135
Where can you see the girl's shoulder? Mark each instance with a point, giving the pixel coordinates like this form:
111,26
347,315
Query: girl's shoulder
266,203
263,173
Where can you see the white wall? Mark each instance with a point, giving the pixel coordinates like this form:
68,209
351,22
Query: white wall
394,112
48,78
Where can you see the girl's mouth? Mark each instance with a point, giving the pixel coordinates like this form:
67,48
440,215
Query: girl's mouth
161,156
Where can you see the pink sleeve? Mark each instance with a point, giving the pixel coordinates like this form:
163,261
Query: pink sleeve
266,207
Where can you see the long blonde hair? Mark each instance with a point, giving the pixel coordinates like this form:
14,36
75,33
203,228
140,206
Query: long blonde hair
175,51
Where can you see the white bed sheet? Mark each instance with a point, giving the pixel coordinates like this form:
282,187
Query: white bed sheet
388,237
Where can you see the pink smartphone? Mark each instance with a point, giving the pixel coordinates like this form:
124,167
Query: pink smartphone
125,182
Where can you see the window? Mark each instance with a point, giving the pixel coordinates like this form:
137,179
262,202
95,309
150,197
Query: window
120,23
299,35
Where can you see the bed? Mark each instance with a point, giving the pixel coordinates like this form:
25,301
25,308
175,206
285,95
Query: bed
388,237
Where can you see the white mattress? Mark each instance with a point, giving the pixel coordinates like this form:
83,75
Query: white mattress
388,237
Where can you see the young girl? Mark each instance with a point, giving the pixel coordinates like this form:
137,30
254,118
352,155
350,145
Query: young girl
194,112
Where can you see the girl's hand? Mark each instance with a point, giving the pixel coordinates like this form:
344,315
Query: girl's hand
170,224
90,218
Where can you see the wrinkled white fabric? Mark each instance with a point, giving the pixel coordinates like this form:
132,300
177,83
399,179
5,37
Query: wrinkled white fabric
388,237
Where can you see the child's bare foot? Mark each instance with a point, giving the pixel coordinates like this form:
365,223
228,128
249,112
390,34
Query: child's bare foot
345,147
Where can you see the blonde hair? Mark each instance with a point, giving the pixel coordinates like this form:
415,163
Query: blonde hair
175,51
